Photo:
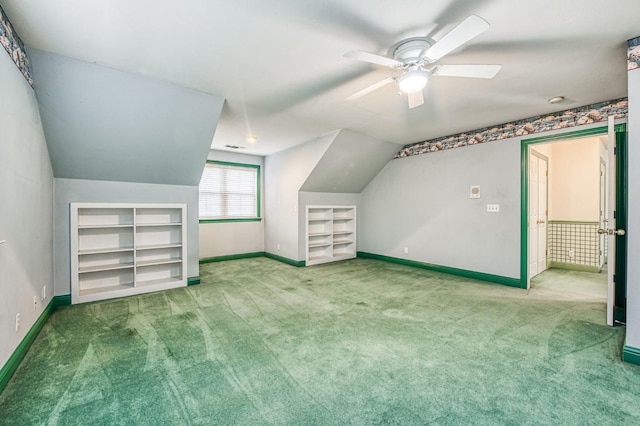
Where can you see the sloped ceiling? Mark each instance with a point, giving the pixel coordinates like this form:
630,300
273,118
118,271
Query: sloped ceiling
280,65
349,163
105,124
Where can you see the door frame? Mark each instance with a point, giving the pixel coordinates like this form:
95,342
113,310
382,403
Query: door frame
602,258
621,205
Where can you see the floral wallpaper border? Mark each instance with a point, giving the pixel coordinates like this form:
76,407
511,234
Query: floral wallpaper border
14,46
542,123
633,54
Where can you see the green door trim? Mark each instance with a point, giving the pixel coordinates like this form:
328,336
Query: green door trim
621,204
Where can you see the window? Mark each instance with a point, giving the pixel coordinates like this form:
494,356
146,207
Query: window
229,192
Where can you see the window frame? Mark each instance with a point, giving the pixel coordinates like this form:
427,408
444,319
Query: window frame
258,217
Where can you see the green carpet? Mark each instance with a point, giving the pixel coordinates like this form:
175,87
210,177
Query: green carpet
356,342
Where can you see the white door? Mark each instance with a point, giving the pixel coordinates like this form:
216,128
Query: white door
603,211
610,221
542,214
538,167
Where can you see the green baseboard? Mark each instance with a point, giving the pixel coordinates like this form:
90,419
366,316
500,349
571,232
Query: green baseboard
282,259
62,300
297,263
573,267
18,355
497,279
631,355
231,257
193,280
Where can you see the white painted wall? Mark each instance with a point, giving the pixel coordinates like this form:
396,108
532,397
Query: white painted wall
106,124
26,200
94,191
633,222
422,203
349,164
574,180
284,174
227,238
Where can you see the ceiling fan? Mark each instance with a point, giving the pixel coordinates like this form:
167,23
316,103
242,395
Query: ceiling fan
414,58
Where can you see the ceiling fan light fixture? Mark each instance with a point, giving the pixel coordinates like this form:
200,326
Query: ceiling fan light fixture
413,80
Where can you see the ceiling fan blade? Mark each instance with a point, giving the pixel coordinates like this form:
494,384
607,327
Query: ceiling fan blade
415,99
471,27
372,58
473,71
369,89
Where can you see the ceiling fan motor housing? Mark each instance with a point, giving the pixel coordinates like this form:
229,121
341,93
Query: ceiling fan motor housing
410,50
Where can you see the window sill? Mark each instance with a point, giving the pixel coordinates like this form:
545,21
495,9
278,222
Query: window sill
246,219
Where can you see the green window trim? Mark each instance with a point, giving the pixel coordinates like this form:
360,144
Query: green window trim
258,217
249,219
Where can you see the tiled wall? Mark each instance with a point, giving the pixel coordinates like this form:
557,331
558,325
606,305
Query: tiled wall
560,120
579,238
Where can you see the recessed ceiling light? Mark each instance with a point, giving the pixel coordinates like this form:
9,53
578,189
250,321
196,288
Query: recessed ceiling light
252,139
556,99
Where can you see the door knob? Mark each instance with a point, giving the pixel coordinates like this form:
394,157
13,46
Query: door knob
612,231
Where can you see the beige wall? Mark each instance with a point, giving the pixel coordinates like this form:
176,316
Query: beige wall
574,180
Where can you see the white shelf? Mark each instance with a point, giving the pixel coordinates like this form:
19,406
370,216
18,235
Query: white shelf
105,289
158,246
104,226
125,249
87,269
331,233
160,281
143,263
105,250
140,225
320,259
319,244
339,242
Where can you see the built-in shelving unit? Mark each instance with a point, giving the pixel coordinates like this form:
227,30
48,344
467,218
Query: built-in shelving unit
331,233
125,249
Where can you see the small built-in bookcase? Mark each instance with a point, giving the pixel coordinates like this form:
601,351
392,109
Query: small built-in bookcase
125,249
331,233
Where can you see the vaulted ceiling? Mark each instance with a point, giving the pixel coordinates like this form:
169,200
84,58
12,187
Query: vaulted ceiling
280,66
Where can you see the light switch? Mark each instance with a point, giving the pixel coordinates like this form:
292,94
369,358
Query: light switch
493,208
474,191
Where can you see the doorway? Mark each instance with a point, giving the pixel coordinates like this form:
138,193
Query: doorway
563,231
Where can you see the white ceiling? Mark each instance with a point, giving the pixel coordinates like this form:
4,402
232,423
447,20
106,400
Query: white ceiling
280,63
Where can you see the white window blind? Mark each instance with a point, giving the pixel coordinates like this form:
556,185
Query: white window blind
229,192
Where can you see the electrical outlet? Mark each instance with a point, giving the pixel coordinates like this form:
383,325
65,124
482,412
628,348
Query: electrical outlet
571,253
17,322
35,302
406,250
278,246
493,208
44,293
